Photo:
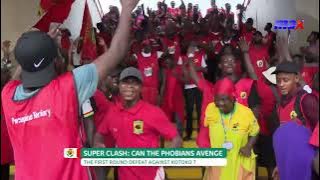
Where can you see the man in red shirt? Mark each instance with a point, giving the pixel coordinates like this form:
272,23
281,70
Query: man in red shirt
258,55
148,65
136,124
295,102
270,38
213,7
39,127
173,11
227,12
247,30
191,92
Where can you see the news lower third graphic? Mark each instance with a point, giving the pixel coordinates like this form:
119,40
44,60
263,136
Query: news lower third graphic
289,24
148,157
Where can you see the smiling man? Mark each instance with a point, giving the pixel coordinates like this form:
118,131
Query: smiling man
232,126
134,123
295,102
298,114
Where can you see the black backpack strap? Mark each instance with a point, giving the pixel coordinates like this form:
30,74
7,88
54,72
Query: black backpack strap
275,93
297,106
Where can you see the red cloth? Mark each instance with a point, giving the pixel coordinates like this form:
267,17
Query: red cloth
65,42
248,35
174,11
270,36
149,68
46,4
259,58
267,104
314,140
173,44
103,105
137,127
6,148
225,87
55,13
173,101
150,94
243,90
207,90
41,127
89,47
227,14
308,73
219,46
215,37
136,47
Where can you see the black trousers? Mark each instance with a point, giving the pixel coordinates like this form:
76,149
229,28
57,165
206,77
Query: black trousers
192,96
4,171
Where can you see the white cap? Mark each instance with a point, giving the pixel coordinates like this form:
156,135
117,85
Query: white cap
268,75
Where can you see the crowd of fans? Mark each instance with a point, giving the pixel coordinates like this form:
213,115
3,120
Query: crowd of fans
242,85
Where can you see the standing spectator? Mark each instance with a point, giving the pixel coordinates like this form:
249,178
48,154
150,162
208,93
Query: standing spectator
258,54
6,148
191,92
234,127
270,39
148,65
133,123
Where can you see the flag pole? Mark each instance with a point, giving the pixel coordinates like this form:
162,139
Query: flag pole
95,3
100,7
257,19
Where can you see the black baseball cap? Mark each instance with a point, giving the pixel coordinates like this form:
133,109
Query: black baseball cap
287,67
36,51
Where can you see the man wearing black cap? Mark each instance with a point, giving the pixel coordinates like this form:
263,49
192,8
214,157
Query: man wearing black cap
42,109
295,102
299,106
134,123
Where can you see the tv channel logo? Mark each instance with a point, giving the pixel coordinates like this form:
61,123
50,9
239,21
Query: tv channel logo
289,24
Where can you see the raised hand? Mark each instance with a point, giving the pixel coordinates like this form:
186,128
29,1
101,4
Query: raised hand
129,5
244,46
6,46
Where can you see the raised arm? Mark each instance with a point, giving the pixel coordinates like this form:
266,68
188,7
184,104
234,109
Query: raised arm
246,58
119,44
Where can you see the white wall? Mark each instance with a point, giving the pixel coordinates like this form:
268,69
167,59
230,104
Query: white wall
265,11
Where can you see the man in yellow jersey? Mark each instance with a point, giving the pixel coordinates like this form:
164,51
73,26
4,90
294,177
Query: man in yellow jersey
234,127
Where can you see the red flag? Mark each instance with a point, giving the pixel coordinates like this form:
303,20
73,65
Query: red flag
57,12
89,48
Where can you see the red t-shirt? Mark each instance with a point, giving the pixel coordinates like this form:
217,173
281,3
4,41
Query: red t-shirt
174,11
227,14
270,38
207,90
6,148
137,127
267,104
103,105
173,101
314,140
221,44
215,37
248,35
173,46
259,58
308,73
